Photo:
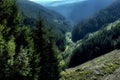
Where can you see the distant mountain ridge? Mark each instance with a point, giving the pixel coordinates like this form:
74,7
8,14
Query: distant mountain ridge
75,12
34,11
54,3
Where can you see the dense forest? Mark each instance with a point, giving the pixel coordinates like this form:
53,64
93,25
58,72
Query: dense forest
96,44
37,43
32,11
97,35
94,23
25,54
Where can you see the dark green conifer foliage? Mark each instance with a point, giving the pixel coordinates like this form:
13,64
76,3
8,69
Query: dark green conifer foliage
45,46
92,24
96,44
16,44
18,60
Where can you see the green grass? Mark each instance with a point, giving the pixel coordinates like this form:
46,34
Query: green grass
95,69
109,68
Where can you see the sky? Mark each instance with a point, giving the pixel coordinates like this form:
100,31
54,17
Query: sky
55,2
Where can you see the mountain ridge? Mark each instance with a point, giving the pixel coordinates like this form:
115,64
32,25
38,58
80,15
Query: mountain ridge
75,12
34,11
94,23
56,2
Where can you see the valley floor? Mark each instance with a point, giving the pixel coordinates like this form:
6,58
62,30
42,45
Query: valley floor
106,67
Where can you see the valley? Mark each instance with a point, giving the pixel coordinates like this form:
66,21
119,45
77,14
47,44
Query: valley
95,34
59,40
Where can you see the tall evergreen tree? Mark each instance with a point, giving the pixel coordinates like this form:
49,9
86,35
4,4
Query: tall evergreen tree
16,44
47,52
17,57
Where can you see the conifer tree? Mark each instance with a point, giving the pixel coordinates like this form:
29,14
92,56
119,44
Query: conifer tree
16,43
47,52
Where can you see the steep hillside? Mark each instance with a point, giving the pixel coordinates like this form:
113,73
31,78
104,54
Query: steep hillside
94,23
106,67
35,11
32,12
96,44
81,9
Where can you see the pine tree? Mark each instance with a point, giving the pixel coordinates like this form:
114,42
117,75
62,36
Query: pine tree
16,43
47,54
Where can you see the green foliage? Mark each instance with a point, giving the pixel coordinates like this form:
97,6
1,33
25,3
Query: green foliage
2,51
109,68
7,52
66,55
94,23
25,55
46,54
16,44
22,64
11,46
32,11
8,8
96,44
103,67
60,40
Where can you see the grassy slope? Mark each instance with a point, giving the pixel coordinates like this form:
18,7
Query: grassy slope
106,67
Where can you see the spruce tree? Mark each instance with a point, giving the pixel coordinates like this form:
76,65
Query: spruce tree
47,53
16,43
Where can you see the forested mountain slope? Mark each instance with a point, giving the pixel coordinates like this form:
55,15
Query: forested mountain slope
32,12
35,11
77,11
96,44
94,23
